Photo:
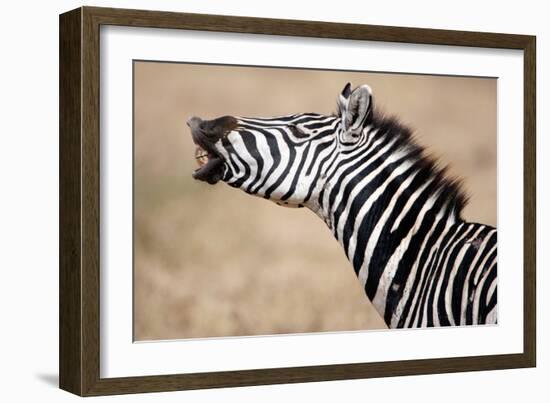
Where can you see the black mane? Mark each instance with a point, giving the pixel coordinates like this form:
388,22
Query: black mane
448,185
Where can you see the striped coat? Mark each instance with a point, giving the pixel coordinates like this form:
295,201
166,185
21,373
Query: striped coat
394,211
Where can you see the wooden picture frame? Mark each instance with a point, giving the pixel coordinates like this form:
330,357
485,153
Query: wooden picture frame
79,348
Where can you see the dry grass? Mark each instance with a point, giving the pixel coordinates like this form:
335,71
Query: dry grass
213,261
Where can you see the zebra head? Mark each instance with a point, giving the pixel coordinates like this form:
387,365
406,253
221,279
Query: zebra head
284,159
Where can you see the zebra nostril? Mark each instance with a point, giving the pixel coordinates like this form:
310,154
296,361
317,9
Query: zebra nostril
193,122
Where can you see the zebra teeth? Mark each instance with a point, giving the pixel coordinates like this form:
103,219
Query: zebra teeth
201,155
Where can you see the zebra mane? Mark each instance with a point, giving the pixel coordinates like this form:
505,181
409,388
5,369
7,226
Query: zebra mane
449,185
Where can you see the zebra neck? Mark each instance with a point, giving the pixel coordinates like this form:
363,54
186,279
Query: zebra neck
383,211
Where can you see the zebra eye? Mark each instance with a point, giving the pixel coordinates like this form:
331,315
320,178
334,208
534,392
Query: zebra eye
296,131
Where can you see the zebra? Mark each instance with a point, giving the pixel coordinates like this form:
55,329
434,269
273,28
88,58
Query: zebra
393,209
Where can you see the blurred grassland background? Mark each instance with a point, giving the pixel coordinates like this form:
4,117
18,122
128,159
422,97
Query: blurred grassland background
212,261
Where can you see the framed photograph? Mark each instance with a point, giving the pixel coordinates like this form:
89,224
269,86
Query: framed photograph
249,201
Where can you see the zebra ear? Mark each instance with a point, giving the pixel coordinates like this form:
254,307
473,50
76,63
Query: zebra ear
343,98
346,91
358,112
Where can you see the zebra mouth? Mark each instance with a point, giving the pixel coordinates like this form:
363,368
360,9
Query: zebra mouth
201,155
210,168
205,134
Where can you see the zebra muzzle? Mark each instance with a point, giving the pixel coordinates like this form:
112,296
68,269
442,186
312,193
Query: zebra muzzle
211,164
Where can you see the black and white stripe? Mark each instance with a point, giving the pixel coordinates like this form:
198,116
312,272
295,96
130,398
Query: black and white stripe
396,214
